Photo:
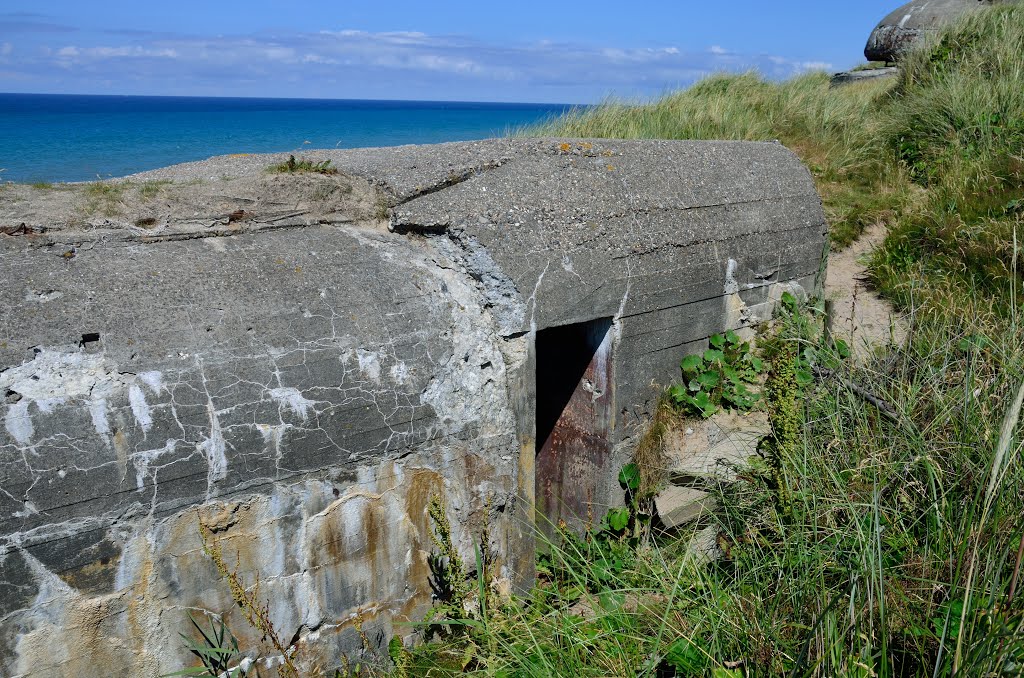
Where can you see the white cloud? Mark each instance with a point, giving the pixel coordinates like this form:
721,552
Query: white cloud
816,66
393,64
133,51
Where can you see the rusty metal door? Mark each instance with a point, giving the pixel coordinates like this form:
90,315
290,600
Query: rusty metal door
574,415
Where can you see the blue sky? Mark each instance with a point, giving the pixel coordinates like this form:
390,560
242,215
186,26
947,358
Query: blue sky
564,52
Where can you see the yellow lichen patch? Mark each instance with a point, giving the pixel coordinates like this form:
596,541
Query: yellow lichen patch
565,148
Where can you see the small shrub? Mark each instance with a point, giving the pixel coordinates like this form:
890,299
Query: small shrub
292,165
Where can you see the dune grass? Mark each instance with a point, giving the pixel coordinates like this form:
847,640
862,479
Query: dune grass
891,545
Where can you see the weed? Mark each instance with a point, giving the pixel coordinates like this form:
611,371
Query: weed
217,650
303,165
650,457
149,190
721,377
41,185
256,613
449,572
105,197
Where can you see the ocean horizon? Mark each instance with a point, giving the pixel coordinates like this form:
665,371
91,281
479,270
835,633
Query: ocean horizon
86,137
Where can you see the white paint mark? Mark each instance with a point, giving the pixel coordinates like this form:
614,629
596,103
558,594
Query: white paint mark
731,286
154,380
625,295
140,408
213,449
19,423
533,299
46,405
399,372
567,265
292,398
143,459
30,510
369,364
98,412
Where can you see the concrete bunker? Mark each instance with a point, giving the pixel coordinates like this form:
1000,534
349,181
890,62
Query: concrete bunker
302,361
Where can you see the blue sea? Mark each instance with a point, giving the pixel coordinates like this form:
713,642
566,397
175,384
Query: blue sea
54,138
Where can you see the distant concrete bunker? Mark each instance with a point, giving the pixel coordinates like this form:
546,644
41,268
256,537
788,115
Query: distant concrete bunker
303,360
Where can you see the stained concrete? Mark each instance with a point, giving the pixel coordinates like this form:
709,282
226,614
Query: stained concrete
303,360
910,24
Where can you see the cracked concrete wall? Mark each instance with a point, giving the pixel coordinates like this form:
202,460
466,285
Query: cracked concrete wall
304,359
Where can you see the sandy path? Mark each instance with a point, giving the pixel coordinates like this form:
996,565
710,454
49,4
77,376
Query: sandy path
860,317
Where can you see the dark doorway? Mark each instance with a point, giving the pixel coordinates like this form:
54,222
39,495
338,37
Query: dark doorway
574,413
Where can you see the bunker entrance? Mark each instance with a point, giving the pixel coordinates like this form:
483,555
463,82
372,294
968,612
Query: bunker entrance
574,414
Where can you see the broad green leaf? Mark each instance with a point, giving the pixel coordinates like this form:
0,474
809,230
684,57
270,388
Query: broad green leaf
610,601
692,363
804,377
686,657
618,519
629,476
709,379
711,355
717,340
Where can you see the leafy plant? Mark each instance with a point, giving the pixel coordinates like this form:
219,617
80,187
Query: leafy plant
719,378
217,650
446,565
292,165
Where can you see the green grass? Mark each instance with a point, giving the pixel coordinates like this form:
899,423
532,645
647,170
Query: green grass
869,545
293,165
105,197
148,190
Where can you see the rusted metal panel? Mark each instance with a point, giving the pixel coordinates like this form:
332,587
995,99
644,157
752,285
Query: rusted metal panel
575,455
